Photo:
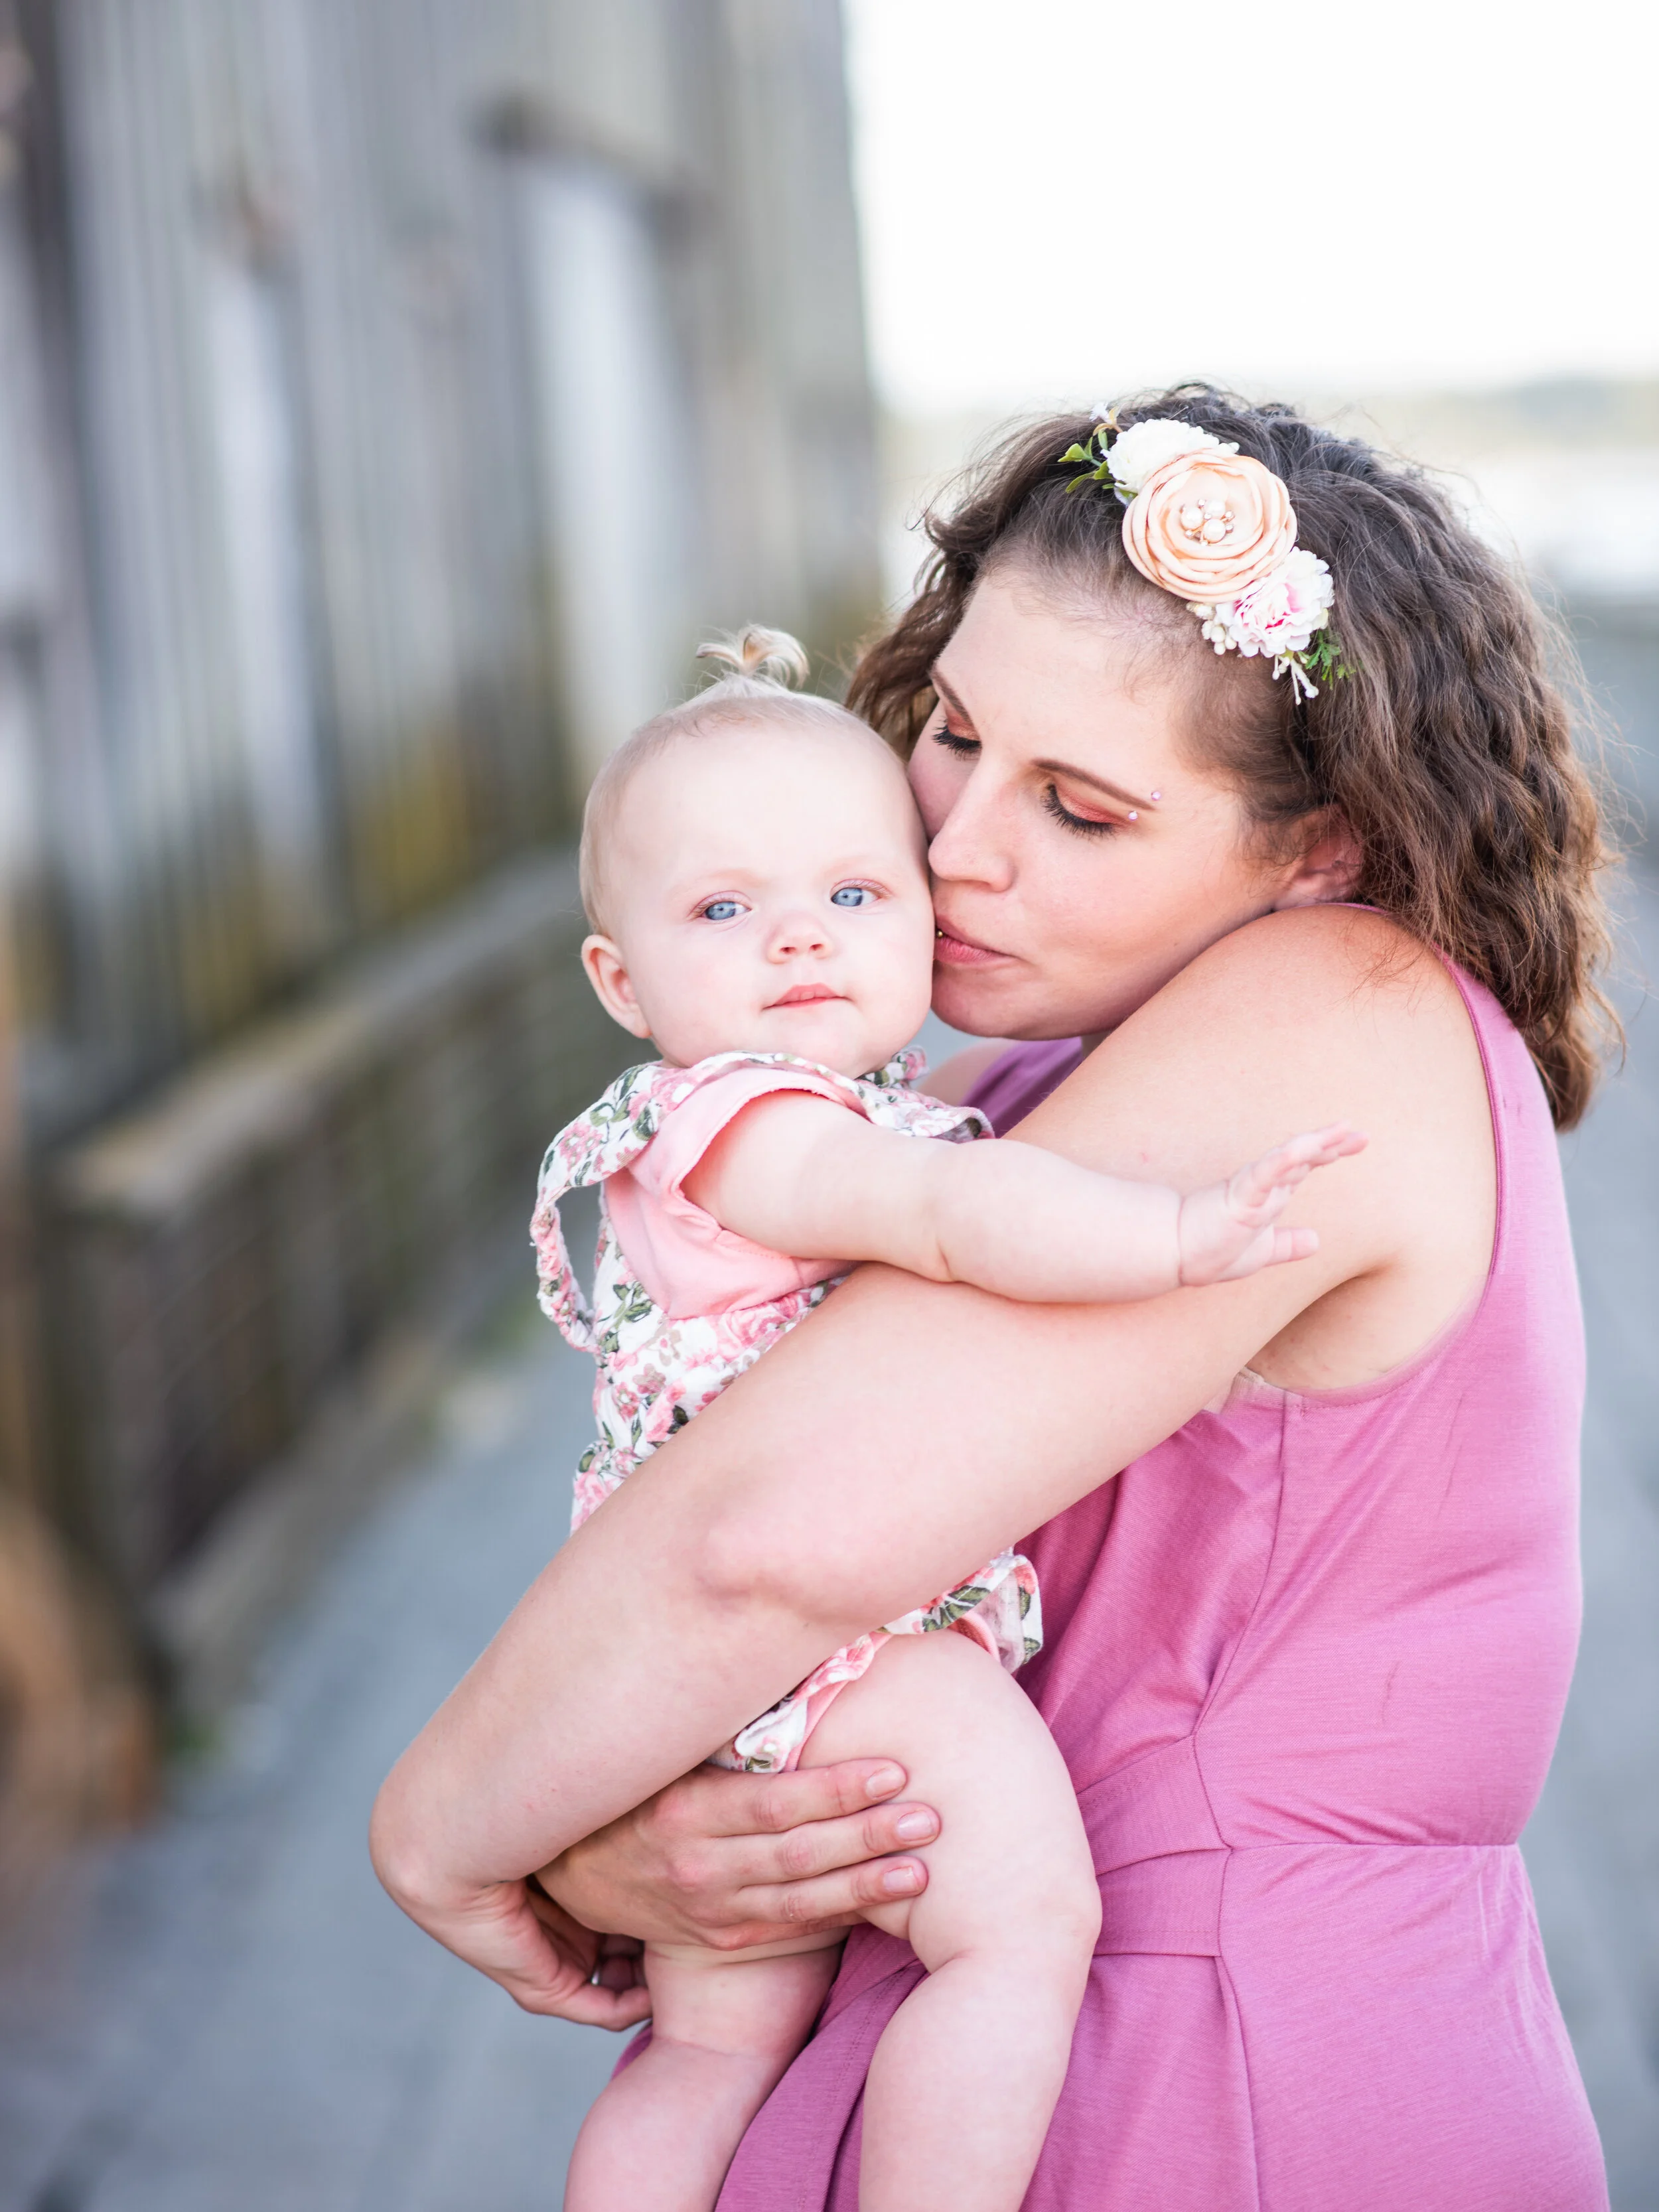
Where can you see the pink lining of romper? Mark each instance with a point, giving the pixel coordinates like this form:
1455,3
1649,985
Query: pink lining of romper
686,1261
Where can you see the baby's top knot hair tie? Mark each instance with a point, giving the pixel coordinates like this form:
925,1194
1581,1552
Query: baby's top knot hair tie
761,655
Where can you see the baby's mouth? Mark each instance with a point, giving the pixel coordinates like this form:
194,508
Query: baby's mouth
804,995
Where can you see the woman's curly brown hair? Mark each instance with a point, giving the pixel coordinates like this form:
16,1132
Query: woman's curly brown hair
1448,747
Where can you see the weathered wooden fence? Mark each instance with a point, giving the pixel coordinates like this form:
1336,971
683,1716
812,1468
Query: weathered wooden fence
390,390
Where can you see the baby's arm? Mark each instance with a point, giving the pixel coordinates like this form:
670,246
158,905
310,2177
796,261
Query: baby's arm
803,1175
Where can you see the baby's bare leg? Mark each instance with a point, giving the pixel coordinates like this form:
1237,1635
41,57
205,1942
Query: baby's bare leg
724,2026
965,2079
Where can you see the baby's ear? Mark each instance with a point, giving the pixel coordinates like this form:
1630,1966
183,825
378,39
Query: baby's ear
605,971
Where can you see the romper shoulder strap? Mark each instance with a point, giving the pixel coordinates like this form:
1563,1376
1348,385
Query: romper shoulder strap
598,1143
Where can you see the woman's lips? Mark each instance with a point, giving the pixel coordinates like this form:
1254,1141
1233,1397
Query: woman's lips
958,951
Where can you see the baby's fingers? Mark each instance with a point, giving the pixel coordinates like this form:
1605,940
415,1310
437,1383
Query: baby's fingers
1263,1188
1270,1249
1293,1244
1336,1142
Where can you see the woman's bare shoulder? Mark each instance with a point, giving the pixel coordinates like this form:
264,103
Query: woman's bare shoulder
1295,1021
1309,982
1313,1015
1313,957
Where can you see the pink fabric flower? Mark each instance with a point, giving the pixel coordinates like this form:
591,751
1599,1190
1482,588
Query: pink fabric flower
1207,526
1277,616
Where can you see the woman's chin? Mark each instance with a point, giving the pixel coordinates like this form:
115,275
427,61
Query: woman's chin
970,999
993,1004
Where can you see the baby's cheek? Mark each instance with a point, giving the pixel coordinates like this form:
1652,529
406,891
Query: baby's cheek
907,967
708,1003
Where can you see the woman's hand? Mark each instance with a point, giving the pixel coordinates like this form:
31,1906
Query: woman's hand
721,1859
547,1961
728,1860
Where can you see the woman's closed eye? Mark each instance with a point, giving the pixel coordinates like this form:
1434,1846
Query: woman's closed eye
954,741
1087,823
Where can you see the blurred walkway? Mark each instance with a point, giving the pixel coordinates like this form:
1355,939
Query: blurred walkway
1593,1846
244,2020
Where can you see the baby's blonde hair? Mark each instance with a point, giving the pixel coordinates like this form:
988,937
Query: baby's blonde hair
762,666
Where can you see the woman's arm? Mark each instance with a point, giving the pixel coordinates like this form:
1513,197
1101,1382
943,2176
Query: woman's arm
912,1429
800,1173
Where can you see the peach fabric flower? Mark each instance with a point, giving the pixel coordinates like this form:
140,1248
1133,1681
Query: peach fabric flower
1207,526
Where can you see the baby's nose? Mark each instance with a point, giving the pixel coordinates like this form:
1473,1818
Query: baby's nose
799,933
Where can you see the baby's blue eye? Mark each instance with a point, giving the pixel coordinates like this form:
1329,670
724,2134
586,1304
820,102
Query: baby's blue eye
721,910
852,895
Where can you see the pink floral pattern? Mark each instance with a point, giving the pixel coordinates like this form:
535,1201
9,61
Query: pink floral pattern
655,1374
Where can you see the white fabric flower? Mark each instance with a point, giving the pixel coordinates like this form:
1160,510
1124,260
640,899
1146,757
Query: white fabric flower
1135,453
1276,617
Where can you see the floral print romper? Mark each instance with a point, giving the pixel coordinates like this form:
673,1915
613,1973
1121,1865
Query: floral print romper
659,1364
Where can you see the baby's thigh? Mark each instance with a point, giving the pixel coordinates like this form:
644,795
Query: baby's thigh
756,2004
1011,1853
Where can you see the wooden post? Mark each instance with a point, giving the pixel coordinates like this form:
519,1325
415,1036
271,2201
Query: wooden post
21,1472
81,1749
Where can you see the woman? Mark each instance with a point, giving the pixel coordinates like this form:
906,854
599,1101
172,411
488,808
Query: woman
1308,1652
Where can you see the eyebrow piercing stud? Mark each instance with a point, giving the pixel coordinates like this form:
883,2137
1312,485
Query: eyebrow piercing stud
1133,816
1157,794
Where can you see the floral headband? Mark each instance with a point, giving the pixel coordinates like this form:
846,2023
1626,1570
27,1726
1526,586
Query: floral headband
1216,529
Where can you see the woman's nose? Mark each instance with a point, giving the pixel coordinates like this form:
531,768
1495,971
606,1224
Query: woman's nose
969,846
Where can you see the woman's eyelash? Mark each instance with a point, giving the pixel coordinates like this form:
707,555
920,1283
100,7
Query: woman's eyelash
1084,825
952,742
1080,822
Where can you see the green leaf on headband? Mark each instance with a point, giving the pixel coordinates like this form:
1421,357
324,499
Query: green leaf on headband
1324,658
1094,458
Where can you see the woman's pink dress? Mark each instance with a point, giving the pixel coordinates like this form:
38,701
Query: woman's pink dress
1306,1662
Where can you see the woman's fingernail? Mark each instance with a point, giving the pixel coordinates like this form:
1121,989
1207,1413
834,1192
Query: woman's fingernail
914,1827
901,1882
883,1782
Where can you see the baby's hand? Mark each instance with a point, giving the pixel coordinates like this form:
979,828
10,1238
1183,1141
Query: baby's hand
1225,1231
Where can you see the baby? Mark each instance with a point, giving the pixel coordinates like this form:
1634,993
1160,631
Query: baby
755,872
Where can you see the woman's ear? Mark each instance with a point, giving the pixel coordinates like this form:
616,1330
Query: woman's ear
613,985
1329,866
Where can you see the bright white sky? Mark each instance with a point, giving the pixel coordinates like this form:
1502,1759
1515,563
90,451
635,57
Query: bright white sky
1062,199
